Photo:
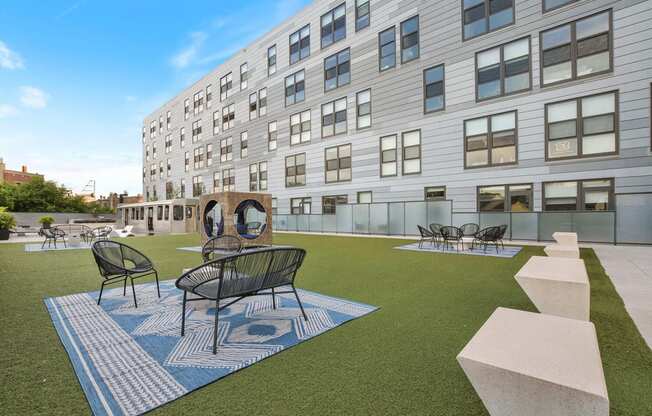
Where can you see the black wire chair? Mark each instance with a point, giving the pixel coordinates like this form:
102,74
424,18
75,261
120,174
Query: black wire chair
241,275
490,235
118,262
52,235
426,235
220,246
501,234
100,233
450,235
470,229
436,231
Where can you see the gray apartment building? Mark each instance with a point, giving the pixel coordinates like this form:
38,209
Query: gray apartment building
493,105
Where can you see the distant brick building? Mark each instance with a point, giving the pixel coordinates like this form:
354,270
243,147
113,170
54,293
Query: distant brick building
114,199
15,177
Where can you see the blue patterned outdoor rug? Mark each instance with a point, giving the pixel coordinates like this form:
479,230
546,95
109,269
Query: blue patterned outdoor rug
507,252
129,361
35,248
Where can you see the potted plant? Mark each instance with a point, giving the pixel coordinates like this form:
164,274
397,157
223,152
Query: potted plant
46,221
7,221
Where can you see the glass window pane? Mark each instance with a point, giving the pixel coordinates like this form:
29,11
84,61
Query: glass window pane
592,25
477,158
505,121
556,37
517,83
601,143
566,110
412,166
560,189
516,49
596,200
476,126
562,129
501,155
598,124
557,73
490,57
593,64
598,104
412,138
562,148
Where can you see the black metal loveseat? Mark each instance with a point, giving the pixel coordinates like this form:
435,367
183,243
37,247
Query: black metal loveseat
237,276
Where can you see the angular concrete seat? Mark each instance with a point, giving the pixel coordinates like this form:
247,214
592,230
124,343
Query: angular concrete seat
531,364
559,250
565,239
557,286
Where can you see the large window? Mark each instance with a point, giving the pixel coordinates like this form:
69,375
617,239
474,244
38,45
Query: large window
587,195
168,143
433,89
410,39
258,177
337,70
168,120
295,86
412,152
483,16
329,203
253,105
362,14
387,49
505,198
209,154
209,96
365,197
388,156
226,149
582,127
333,25
217,182
216,123
186,161
300,206
152,129
169,192
300,128
228,179
555,4
272,135
198,102
186,109
434,193
300,44
262,102
197,186
226,84
244,144
198,158
338,163
182,136
295,170
333,118
490,141
228,117
271,60
182,188
579,49
503,70
196,131
363,109
244,76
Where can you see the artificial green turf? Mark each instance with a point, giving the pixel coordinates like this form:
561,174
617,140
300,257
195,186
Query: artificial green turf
398,360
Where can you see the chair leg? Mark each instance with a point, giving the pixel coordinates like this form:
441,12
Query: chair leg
217,313
299,302
183,314
133,290
101,290
64,242
273,299
124,289
157,288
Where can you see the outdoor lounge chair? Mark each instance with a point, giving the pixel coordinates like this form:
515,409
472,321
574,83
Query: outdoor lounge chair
450,235
426,235
101,233
52,235
470,229
118,262
220,246
436,231
124,232
240,275
490,235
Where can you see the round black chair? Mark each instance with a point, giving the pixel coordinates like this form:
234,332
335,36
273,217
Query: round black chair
470,229
220,246
450,235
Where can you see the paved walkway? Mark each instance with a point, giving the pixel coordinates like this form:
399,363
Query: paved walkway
630,269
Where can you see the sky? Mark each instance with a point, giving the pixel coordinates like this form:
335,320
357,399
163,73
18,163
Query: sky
77,77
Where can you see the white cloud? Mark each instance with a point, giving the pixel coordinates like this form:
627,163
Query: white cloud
186,56
33,97
130,98
8,58
7,111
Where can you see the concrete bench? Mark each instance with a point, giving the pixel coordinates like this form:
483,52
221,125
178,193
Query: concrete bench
557,286
566,246
531,364
565,239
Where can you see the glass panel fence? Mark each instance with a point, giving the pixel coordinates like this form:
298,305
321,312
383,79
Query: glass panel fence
397,218
378,219
292,223
361,219
550,222
329,223
415,214
634,218
439,212
315,223
461,218
524,225
596,227
344,216
303,222
494,219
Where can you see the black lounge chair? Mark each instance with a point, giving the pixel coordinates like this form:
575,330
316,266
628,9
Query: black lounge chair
426,235
450,235
100,233
436,231
470,229
118,262
240,275
220,246
490,235
52,235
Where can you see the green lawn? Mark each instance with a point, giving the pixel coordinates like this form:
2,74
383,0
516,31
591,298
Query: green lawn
398,360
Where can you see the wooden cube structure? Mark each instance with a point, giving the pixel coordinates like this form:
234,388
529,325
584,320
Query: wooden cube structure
233,220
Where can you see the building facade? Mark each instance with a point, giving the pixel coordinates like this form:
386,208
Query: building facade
16,177
523,105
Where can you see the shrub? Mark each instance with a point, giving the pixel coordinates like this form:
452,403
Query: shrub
46,220
7,220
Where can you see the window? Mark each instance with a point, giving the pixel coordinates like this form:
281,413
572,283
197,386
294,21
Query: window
154,150
167,213
244,144
549,5
333,118
188,212
577,50
209,154
300,206
490,141
300,128
168,143
295,88
144,133
196,131
182,137
186,162
226,83
169,167
169,191
147,153
198,102
209,96
295,170
155,198
160,123
300,44
216,123
272,135
483,16
410,39
197,186
228,117
433,86
226,149
338,163
177,212
412,152
363,108
160,169
274,206
182,189
168,120
333,25
217,182
364,197
387,49
505,198
253,106
262,102
388,156
337,70
152,129
159,213
244,77
582,127
258,177
588,195
186,109
503,70
434,193
362,14
271,60
329,203
228,179
198,159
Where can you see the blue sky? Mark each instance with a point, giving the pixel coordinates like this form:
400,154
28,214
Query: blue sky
78,76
